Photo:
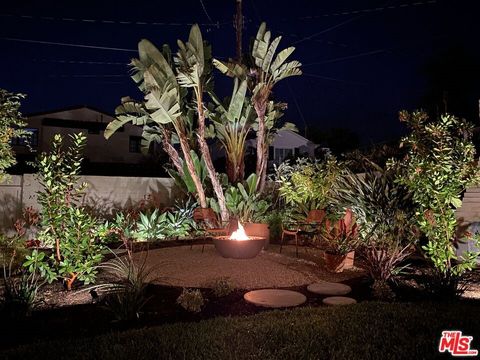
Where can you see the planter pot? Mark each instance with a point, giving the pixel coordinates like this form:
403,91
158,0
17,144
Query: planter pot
258,229
337,263
349,260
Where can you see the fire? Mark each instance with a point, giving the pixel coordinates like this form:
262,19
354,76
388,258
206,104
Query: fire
239,234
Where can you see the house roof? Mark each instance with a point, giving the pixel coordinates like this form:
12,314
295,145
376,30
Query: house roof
69,108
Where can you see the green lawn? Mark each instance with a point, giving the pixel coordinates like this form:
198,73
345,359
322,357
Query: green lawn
369,330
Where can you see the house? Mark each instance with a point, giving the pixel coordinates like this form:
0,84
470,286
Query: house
286,144
121,150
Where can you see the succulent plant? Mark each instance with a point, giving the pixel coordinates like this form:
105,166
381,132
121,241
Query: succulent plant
341,235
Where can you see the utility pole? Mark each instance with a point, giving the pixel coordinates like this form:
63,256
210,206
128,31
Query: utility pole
238,25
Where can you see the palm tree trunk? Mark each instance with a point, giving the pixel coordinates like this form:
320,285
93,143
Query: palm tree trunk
204,149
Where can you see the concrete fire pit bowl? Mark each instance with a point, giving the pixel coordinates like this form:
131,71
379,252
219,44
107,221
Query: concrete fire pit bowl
239,249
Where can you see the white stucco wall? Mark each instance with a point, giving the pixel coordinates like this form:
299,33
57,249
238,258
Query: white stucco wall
104,194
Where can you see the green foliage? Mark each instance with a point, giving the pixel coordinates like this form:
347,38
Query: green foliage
439,165
127,295
306,185
245,203
65,225
11,124
20,286
191,300
185,181
158,226
222,287
341,235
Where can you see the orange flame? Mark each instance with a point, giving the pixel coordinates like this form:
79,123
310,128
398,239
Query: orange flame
239,234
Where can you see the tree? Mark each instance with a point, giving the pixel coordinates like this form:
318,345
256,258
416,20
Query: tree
11,124
263,71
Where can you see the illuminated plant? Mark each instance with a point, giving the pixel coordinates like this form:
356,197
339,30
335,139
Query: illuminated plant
439,165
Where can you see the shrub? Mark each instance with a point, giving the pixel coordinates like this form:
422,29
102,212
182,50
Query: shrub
386,213
64,224
305,184
11,127
222,287
20,285
127,296
439,165
156,225
191,300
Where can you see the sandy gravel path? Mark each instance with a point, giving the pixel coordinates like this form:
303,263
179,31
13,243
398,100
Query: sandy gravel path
180,266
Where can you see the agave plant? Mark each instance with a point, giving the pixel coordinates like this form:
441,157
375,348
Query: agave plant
262,71
341,235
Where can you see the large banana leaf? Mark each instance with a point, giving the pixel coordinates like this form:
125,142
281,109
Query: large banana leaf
128,112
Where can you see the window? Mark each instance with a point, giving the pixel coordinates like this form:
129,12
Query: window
134,144
31,138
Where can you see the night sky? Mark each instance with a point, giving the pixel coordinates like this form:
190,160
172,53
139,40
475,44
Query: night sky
363,60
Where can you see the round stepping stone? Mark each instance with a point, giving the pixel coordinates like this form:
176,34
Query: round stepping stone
339,300
329,288
274,298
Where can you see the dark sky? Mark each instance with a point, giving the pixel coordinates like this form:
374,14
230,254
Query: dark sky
363,60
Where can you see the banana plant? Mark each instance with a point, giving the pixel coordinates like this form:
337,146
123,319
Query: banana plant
263,72
162,114
194,72
232,125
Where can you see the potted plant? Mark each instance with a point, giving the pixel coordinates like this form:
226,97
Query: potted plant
341,237
245,204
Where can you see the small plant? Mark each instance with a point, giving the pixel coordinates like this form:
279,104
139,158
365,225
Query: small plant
20,286
245,203
222,287
191,300
157,226
341,235
127,295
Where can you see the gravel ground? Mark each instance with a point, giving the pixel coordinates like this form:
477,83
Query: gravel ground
182,266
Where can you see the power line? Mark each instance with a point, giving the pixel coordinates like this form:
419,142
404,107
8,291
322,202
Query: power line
205,11
103,21
81,62
373,52
333,79
365,11
327,29
68,44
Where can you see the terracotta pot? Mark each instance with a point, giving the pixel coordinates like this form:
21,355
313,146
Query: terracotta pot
349,260
258,229
337,263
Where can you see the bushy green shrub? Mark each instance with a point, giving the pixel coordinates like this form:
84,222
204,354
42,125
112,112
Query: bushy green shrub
191,300
439,165
306,185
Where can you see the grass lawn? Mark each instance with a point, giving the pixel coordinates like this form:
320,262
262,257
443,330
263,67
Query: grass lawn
369,330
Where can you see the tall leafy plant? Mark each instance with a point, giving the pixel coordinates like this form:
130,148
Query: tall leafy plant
65,225
263,69
11,127
439,165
